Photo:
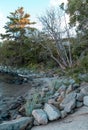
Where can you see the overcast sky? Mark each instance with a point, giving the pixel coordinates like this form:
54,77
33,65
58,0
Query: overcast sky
34,7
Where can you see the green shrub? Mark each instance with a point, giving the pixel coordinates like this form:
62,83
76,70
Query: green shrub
84,63
30,105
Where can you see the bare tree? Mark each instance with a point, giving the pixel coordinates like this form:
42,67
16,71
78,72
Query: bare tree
51,22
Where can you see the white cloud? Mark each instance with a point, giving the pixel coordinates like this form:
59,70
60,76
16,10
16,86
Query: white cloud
2,22
38,24
55,3
64,20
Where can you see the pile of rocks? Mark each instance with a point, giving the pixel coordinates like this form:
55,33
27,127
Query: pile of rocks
26,73
65,101
63,98
18,76
18,124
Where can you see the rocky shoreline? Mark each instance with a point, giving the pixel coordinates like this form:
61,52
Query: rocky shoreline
48,99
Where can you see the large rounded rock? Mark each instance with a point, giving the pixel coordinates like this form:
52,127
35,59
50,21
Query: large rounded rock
52,112
69,102
84,90
76,121
68,99
18,124
40,116
85,100
70,106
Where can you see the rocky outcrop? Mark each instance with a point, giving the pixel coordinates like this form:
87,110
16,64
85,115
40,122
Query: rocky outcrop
40,116
69,102
18,124
63,101
70,106
75,121
79,97
85,100
50,101
84,90
52,112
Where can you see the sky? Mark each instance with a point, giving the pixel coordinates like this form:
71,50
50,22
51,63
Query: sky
34,7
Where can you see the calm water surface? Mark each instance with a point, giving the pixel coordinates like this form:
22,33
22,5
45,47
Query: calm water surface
7,89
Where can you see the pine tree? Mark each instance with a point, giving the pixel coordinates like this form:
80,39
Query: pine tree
17,26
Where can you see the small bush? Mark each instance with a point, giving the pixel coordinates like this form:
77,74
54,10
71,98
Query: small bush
30,105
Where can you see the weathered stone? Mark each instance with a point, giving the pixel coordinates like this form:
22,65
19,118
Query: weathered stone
62,88
56,94
52,112
18,116
84,91
45,89
79,104
63,94
76,121
40,116
69,102
18,124
60,99
79,97
63,114
36,123
57,105
85,100
54,102
51,101
70,106
84,84
68,99
69,89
